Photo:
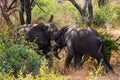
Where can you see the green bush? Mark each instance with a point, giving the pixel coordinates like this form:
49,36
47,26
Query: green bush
108,13
19,60
14,57
109,44
42,10
44,74
18,56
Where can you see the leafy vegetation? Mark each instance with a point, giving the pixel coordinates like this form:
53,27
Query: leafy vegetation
109,13
19,60
110,45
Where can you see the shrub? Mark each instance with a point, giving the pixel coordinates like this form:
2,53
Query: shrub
19,60
108,13
109,44
17,56
14,57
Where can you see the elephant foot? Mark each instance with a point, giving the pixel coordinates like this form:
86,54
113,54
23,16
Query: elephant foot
65,71
77,68
107,70
66,65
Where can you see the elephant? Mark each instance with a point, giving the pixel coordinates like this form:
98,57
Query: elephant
40,34
79,42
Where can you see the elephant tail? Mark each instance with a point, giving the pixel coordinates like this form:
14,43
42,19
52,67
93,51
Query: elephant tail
100,44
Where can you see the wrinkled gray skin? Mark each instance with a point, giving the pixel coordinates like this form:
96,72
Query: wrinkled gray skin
41,34
81,42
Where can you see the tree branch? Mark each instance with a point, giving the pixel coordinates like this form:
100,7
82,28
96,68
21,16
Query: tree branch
41,8
6,16
10,7
77,6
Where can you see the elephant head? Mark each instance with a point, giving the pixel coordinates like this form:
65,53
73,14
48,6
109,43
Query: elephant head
59,38
41,34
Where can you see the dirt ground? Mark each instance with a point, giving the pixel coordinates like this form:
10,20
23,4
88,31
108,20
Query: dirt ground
85,72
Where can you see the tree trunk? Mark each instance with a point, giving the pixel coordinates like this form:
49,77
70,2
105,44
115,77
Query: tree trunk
101,3
4,13
25,7
77,6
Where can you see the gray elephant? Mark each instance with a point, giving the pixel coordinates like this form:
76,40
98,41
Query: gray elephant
81,42
40,34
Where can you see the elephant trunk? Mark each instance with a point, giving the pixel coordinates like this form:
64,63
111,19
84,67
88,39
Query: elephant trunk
58,33
59,40
56,47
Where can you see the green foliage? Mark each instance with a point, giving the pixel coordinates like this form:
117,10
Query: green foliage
17,56
4,76
108,13
109,44
42,10
19,60
44,74
14,56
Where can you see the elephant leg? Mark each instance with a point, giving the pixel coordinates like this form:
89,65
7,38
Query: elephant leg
46,50
77,60
103,60
104,57
106,62
98,60
55,49
69,55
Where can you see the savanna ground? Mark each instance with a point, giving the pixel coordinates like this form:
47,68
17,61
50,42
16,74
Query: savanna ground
23,59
